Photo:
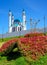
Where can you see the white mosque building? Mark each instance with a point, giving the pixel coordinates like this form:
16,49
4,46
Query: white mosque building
15,24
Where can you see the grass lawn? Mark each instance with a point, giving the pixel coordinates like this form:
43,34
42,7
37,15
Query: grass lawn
41,61
6,39
12,60
18,61
21,61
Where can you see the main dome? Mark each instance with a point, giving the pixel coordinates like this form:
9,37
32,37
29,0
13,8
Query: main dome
16,21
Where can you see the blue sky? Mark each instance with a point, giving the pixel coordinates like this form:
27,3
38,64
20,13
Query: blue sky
35,9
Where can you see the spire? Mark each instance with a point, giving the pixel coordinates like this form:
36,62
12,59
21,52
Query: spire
9,10
10,13
23,12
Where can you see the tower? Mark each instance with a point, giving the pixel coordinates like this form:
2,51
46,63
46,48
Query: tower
24,19
10,18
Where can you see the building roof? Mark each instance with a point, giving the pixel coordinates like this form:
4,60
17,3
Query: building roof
16,21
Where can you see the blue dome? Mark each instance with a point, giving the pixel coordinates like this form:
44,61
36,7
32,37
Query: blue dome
16,21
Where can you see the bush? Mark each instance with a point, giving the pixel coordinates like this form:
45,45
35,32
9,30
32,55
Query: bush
8,46
34,34
33,47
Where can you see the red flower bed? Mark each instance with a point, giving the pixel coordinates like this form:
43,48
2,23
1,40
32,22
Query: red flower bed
7,46
34,34
33,46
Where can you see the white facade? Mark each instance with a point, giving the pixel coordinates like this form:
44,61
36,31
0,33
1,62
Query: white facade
24,20
16,25
10,17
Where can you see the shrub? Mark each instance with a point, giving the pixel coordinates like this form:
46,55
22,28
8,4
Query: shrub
34,34
8,46
34,47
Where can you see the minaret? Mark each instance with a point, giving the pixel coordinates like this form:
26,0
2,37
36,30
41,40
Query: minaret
10,18
24,20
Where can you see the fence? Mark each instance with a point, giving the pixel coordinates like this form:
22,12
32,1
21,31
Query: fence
20,33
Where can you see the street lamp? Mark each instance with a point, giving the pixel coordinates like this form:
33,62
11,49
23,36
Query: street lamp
34,22
44,26
2,34
31,23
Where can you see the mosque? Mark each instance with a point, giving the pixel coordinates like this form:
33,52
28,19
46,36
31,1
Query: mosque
16,24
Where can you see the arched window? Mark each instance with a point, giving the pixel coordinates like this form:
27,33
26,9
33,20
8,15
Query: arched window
20,28
13,29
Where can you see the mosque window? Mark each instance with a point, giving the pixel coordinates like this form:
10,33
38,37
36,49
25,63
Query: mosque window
13,29
20,28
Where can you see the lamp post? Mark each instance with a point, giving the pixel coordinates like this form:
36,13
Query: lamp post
31,23
34,22
2,33
44,26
